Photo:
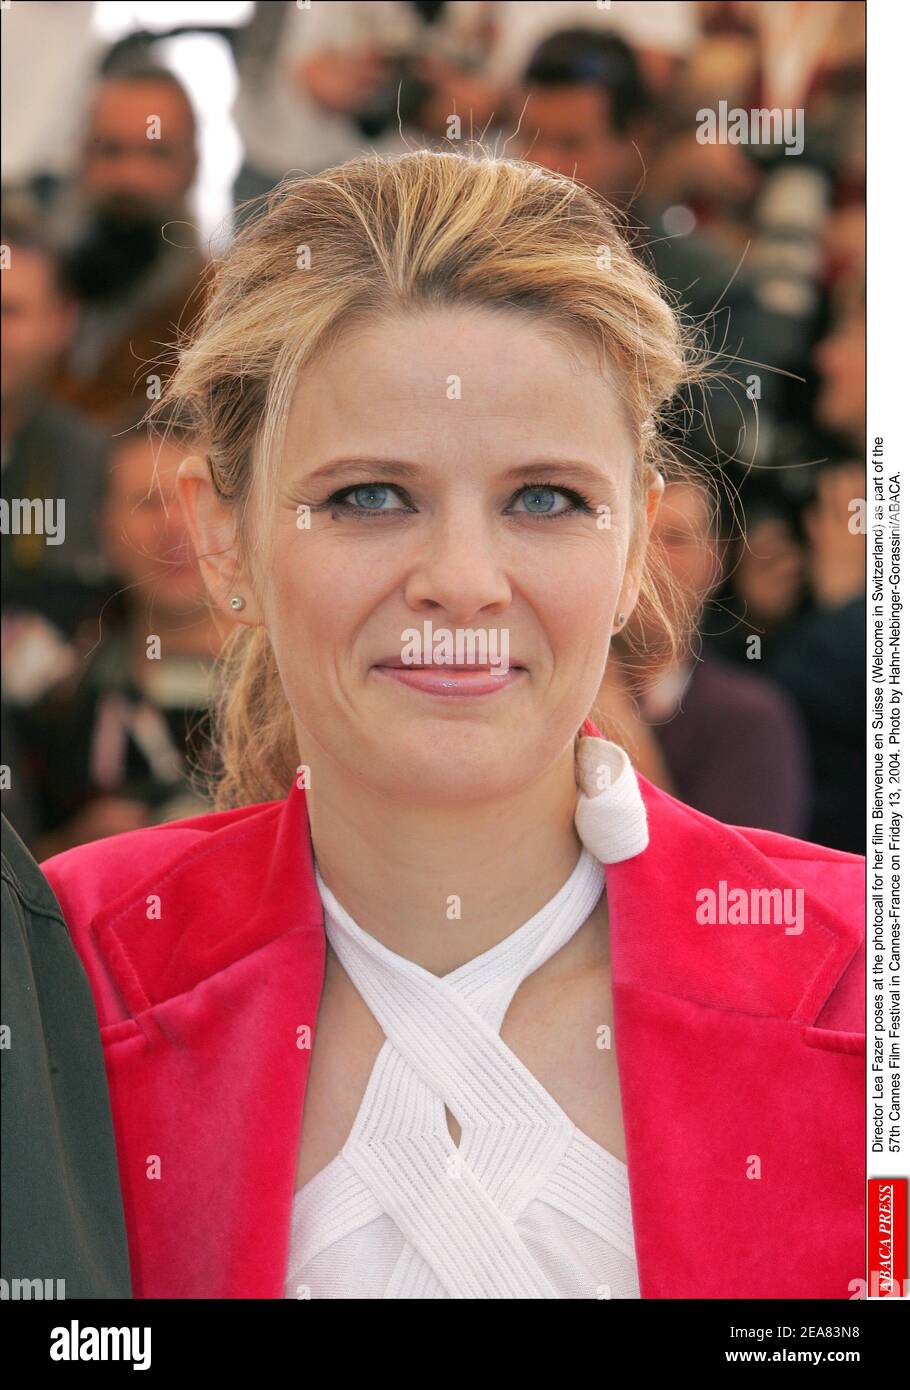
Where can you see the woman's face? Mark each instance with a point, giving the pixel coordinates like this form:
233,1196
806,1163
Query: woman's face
463,471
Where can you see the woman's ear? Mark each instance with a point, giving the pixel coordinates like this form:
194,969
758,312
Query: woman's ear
628,594
212,526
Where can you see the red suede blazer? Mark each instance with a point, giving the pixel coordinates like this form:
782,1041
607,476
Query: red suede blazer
740,1049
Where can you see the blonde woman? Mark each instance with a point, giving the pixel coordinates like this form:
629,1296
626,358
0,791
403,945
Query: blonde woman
444,1000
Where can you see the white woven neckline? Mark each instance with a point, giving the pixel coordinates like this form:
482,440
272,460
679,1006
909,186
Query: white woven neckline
457,1206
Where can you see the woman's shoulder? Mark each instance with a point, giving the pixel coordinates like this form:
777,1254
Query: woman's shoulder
836,876
106,887
758,879
772,844
91,876
778,845
686,836
805,861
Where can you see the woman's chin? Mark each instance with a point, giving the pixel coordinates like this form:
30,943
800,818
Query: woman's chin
446,763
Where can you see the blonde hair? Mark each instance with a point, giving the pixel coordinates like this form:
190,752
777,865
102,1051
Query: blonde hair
391,234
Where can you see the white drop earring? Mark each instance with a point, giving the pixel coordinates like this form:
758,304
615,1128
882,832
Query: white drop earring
238,602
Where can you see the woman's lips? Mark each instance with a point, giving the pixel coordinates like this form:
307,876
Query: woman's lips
453,680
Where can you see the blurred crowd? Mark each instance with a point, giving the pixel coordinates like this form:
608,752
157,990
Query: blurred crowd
108,644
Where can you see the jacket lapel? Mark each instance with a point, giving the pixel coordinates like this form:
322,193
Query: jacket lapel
207,1078
740,1168
735,1171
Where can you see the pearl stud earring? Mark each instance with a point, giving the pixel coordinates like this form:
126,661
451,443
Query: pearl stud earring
237,602
621,618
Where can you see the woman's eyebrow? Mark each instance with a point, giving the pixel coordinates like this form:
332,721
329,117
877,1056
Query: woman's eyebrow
568,470
565,470
390,468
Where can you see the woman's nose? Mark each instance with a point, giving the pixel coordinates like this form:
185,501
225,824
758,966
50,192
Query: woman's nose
459,570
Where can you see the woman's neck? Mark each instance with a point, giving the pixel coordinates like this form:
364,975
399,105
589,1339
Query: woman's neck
402,870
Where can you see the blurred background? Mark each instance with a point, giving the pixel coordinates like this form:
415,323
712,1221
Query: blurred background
131,132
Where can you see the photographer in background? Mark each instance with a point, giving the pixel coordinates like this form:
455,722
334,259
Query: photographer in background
319,86
112,747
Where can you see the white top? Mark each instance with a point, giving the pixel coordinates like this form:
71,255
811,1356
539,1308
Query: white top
526,1206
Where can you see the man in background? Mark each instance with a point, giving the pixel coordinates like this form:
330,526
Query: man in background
114,745
733,743
587,112
53,458
133,259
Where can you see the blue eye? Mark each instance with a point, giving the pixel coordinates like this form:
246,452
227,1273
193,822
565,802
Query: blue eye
365,499
370,496
542,498
542,501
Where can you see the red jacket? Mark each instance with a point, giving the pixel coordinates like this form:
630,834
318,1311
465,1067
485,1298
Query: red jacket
740,1049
